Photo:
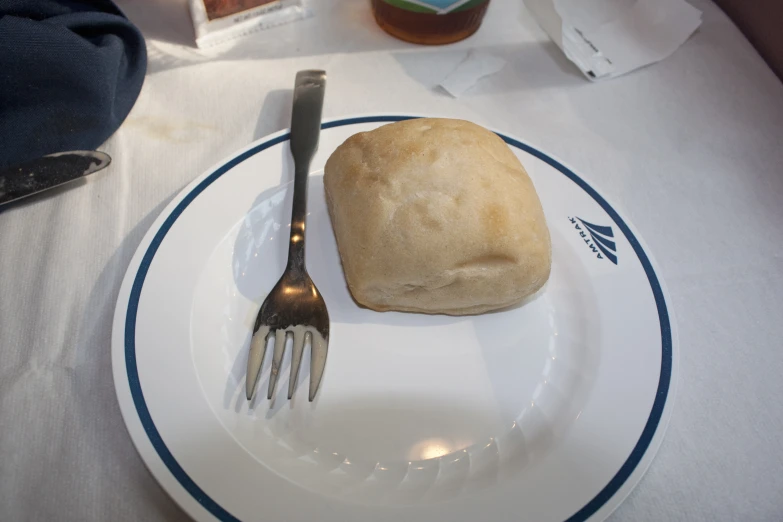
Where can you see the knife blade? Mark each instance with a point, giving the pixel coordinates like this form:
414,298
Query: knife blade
31,177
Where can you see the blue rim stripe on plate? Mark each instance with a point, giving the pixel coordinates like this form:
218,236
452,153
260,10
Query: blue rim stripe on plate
664,380
216,509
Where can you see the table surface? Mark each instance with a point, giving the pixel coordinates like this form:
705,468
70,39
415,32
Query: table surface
689,149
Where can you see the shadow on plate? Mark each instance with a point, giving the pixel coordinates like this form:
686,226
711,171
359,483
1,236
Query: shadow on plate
382,450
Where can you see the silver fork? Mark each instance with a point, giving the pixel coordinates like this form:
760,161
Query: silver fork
295,306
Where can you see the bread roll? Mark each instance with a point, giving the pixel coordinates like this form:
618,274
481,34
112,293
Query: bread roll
436,216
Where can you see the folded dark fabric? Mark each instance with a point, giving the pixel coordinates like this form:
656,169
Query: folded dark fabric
70,72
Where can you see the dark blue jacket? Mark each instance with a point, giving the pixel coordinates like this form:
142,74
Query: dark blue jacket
70,71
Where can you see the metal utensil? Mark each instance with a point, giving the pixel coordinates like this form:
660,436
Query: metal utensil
32,177
294,306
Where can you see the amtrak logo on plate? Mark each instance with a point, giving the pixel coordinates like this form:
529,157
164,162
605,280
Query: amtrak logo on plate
598,238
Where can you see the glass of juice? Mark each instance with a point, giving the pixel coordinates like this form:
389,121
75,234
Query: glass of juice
430,22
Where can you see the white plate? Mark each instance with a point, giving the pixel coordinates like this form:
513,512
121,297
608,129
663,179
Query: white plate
550,411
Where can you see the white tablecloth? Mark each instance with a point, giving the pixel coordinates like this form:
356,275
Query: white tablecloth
690,150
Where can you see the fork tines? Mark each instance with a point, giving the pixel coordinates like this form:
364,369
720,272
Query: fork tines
300,334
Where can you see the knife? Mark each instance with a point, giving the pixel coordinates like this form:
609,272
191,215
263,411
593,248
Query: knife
25,179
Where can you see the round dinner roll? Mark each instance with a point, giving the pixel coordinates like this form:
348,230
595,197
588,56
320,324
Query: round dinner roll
436,216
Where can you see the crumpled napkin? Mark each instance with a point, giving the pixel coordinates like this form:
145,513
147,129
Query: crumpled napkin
471,69
609,38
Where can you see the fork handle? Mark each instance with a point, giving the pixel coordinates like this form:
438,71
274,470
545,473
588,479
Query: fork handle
305,130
